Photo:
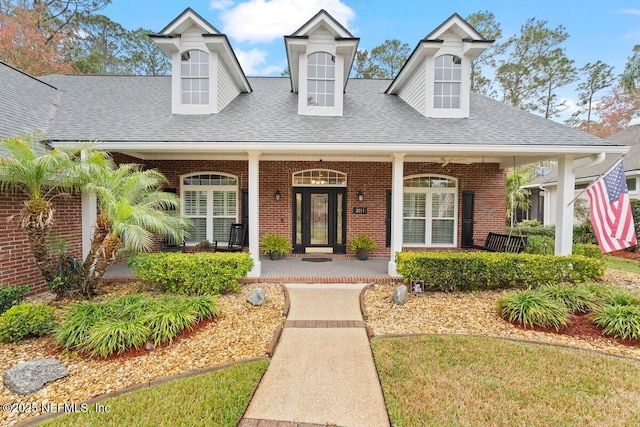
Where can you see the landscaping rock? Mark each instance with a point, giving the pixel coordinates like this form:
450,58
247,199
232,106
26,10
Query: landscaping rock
257,297
32,375
400,295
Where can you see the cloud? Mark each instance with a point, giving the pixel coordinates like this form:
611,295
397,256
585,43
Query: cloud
253,63
262,21
220,4
632,35
628,11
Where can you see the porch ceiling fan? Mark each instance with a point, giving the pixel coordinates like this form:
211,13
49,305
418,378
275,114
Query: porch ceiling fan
444,161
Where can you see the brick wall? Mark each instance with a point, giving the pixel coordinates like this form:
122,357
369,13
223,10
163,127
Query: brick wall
372,178
17,265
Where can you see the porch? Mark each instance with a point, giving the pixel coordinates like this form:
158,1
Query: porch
298,269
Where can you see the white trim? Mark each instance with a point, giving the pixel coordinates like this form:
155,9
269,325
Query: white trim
343,174
254,212
397,195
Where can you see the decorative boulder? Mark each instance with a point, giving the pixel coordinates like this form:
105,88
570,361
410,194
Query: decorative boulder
32,375
400,295
257,297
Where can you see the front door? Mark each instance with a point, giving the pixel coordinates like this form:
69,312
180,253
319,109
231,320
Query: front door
319,220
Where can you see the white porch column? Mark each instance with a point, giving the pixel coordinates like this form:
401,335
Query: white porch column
397,186
89,216
564,206
254,212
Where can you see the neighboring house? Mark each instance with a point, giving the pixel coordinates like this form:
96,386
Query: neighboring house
417,163
544,187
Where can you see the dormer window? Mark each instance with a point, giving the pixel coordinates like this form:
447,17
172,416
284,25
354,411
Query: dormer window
447,82
321,74
195,77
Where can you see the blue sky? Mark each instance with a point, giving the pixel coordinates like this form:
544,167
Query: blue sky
598,29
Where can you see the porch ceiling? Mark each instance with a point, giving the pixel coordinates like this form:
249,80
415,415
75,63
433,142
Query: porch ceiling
506,156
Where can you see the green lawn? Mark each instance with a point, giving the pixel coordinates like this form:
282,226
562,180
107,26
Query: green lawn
218,398
624,264
470,381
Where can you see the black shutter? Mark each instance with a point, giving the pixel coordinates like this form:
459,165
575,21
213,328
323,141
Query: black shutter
468,200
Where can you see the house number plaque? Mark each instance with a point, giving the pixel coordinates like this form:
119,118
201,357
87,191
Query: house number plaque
359,210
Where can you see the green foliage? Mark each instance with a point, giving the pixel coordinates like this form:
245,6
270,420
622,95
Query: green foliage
383,62
584,233
532,307
587,249
193,274
11,295
26,321
450,271
362,242
630,78
577,299
102,329
275,243
527,230
541,245
620,321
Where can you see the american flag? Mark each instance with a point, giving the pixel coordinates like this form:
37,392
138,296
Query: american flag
611,211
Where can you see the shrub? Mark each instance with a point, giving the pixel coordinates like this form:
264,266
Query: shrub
11,295
587,249
480,270
130,321
275,243
577,299
26,321
532,231
620,321
193,274
584,233
533,308
540,245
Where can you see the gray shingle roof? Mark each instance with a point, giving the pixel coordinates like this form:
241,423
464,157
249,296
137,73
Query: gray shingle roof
629,137
137,108
26,103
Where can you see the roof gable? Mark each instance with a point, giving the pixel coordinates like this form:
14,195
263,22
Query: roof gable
185,20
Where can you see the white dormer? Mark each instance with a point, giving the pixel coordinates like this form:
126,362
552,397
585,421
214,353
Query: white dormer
205,73
320,55
436,79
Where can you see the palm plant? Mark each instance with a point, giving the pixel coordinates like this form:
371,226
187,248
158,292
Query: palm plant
40,175
132,209
517,197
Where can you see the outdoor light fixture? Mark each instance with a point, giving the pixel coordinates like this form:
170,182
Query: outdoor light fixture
360,196
277,195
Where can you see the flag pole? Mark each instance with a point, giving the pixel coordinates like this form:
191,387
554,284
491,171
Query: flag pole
595,179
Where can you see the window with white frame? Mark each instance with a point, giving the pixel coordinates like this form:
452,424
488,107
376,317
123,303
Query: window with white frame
321,75
195,77
210,200
448,80
430,205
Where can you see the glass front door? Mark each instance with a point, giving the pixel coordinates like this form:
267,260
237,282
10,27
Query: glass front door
319,220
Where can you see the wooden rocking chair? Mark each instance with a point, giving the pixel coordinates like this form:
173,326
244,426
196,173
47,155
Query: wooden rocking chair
236,239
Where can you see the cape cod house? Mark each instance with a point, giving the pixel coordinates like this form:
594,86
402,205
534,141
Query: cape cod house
417,163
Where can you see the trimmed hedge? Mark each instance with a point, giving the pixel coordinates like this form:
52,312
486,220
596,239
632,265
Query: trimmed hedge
26,320
450,271
193,274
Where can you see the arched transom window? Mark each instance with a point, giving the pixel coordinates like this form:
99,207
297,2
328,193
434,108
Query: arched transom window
321,75
430,206
325,177
448,78
210,200
195,77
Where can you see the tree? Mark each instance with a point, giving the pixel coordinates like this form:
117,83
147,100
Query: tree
132,209
383,62
597,76
485,23
40,178
615,111
99,45
557,72
27,45
518,197
525,73
630,77
55,16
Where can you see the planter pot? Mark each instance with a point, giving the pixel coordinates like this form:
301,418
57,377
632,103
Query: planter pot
363,255
275,256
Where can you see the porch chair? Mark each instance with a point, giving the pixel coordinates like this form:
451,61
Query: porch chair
236,239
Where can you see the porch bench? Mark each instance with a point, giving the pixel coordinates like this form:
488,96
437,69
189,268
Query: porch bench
496,242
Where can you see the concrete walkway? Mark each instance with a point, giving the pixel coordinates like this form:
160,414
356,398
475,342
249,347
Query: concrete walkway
322,371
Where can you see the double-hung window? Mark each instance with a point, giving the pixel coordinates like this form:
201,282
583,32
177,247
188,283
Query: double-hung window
195,77
321,75
448,79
